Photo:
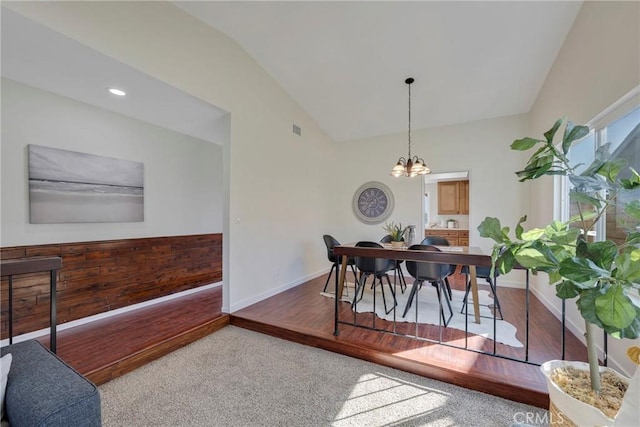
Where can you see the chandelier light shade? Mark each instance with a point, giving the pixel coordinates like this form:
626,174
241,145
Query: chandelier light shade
410,166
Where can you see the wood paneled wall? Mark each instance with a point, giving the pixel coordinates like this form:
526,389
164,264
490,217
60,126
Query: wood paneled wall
100,276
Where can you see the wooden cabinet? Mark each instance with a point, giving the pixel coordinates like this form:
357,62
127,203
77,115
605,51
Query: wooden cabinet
455,237
453,197
463,238
464,197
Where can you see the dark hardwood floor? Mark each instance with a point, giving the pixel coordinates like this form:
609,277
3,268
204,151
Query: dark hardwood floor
108,348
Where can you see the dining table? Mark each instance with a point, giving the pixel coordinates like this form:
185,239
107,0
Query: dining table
458,255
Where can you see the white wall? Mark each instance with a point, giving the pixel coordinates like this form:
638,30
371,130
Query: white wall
596,66
481,147
280,186
183,175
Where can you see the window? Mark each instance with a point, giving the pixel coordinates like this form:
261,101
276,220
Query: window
619,126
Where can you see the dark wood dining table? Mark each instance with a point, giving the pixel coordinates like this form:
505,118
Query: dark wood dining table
460,255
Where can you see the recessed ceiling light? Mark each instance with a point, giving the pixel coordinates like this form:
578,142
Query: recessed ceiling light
117,91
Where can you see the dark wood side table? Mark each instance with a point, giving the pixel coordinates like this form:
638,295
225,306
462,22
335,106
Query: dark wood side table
13,267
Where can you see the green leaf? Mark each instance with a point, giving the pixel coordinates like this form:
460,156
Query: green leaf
587,305
602,155
631,183
567,290
551,132
537,256
628,266
572,134
611,169
492,229
579,197
601,253
505,262
519,228
633,238
533,234
614,308
565,237
554,276
630,332
633,209
582,271
524,144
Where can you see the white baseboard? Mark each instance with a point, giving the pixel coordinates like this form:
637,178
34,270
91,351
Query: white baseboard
271,292
111,313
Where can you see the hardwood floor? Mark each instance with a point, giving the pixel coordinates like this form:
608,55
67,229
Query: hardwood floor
301,314
108,348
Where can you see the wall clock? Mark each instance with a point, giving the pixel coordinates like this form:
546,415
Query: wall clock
373,202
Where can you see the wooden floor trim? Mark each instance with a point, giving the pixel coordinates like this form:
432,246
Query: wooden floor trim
105,349
133,361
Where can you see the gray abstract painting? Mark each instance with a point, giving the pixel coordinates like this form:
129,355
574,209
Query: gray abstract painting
68,186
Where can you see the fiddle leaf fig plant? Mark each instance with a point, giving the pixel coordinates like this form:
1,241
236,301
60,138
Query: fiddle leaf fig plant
603,276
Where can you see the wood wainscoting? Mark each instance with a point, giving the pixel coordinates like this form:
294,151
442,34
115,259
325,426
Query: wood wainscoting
97,277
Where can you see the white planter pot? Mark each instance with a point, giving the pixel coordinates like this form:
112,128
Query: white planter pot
578,412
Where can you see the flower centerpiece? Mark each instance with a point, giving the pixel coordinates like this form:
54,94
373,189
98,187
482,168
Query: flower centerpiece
395,232
603,275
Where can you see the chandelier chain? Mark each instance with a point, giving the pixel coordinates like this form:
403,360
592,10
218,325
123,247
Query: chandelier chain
409,120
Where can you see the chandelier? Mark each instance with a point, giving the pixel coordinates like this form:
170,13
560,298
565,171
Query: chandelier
410,166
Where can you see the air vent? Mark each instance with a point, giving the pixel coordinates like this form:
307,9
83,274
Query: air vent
297,130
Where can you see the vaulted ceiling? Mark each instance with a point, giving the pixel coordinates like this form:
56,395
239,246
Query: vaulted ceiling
345,62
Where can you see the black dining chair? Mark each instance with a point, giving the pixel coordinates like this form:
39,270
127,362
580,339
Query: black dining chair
441,241
378,268
482,273
428,272
398,267
330,242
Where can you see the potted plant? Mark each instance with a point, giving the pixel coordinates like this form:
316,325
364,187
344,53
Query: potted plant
604,276
396,233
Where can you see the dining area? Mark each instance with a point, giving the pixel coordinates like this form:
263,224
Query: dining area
461,352
390,293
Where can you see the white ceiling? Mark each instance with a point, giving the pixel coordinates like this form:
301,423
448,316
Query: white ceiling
345,62
42,58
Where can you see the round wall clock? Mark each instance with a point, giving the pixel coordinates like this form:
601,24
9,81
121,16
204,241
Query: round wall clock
373,202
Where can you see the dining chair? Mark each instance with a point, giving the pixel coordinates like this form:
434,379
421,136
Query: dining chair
335,260
481,273
378,268
398,267
441,241
428,272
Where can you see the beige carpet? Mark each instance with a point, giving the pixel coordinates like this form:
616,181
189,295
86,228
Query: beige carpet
237,377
